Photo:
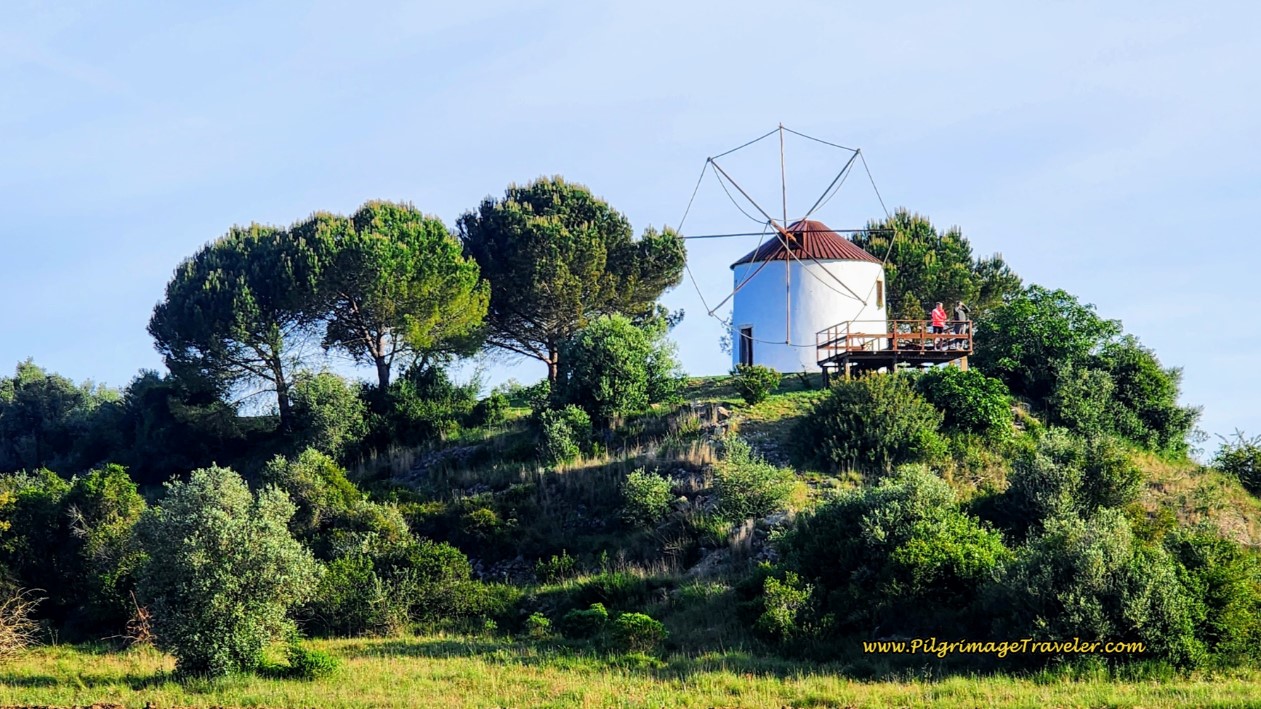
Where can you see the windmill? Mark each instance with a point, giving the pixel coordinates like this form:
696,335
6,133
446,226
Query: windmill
808,299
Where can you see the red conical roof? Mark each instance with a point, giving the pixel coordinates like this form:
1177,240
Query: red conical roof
808,240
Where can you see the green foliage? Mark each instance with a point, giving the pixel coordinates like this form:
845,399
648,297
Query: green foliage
222,571
232,312
610,369
898,556
1241,457
1027,340
328,413
170,426
1224,580
873,423
46,420
754,382
970,400
1089,579
538,626
73,540
637,632
1065,475
557,257
309,664
783,602
393,284
557,568
646,498
563,433
585,625
319,489
422,405
748,487
926,265
1145,398
491,411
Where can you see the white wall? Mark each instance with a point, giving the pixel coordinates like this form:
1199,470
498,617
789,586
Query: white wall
818,302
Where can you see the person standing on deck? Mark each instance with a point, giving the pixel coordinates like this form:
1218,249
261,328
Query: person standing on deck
938,318
961,321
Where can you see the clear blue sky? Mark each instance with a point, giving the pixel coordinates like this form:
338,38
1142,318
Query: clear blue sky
1108,149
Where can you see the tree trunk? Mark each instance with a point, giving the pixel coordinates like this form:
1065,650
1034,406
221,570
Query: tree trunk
383,374
553,368
282,399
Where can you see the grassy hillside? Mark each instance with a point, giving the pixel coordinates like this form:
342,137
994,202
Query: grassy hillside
455,671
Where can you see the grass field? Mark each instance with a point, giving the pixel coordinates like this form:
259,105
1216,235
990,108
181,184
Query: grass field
457,671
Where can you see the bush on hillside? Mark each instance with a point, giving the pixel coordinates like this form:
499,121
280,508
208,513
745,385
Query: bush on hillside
1224,581
1090,579
1065,475
899,556
783,603
222,571
563,434
969,400
637,632
328,412
646,498
612,368
74,540
754,382
422,405
873,424
584,624
491,411
1241,457
748,487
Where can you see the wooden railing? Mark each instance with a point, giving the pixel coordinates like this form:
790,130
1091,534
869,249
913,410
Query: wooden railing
895,335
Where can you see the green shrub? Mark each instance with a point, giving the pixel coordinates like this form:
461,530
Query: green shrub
1241,458
330,415
645,498
782,603
318,486
1089,579
873,423
537,625
309,664
1065,475
970,400
898,556
74,540
563,433
748,487
754,382
222,571
585,625
421,405
612,368
1082,400
491,411
557,568
636,632
1224,579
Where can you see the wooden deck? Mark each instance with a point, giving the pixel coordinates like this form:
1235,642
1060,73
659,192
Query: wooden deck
864,346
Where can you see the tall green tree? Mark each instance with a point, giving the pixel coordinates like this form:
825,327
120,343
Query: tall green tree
926,265
1028,341
235,310
46,420
557,257
393,283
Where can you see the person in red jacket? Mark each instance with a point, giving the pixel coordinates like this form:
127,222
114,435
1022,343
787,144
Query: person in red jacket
938,323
